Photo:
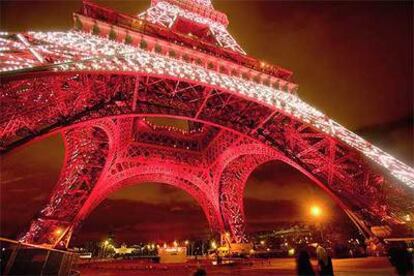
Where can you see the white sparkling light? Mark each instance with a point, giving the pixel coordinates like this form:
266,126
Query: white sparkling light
165,14
82,51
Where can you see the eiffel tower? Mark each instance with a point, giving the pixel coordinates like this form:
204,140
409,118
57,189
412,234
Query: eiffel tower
104,84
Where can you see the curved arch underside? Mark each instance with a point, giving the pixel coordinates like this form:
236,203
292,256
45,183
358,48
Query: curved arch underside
102,113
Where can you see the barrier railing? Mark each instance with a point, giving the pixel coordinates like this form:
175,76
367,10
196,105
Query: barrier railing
18,258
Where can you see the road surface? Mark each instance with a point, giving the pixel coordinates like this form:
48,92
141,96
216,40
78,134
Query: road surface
353,267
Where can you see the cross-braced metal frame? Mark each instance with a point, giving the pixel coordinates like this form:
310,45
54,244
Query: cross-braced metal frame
99,94
109,144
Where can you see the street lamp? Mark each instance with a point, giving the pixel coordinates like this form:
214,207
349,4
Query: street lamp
58,232
213,245
186,242
315,211
105,245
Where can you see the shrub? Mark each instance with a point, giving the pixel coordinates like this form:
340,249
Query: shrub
95,29
78,23
186,58
143,44
128,39
112,34
157,48
172,53
199,61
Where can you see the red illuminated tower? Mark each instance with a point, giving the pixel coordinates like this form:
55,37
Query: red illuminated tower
103,85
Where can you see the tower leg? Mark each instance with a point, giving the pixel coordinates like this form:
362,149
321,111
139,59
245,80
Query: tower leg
231,184
86,153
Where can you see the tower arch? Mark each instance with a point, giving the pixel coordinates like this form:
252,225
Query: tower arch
336,165
210,211
233,182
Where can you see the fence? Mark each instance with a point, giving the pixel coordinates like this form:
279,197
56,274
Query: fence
25,259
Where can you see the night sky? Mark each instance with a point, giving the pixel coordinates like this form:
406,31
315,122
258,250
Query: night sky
353,61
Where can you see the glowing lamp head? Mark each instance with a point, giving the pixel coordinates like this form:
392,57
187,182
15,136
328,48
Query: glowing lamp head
316,211
213,245
58,232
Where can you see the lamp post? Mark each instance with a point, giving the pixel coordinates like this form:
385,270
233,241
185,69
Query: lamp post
213,245
187,247
316,213
105,244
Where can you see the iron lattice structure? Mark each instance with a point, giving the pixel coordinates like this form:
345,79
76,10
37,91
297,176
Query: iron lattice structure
100,84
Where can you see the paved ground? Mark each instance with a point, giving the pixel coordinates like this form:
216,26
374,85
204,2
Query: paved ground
352,267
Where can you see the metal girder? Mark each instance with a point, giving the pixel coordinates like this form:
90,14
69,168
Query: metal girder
228,120
97,92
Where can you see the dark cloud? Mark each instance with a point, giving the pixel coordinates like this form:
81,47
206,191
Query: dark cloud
155,194
28,175
397,137
145,221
